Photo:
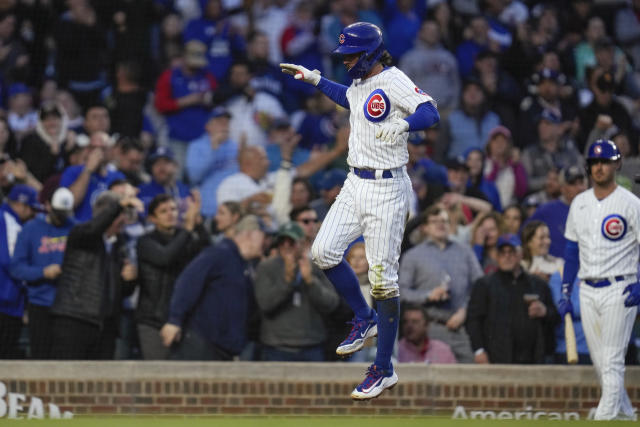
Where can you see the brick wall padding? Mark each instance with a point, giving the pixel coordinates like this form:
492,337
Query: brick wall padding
245,388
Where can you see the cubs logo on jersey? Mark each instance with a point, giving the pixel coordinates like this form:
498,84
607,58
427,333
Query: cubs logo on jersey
614,227
376,107
420,91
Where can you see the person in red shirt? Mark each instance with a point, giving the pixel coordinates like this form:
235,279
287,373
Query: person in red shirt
415,346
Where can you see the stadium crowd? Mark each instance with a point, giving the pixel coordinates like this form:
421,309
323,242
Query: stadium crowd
163,181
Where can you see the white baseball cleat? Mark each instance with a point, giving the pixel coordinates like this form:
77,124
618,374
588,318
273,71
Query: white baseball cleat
376,381
360,332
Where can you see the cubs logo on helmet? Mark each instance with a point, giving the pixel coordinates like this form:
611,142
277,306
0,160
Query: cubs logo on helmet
614,227
341,39
603,149
376,107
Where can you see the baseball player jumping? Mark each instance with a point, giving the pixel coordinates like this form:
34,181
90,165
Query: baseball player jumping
374,202
603,232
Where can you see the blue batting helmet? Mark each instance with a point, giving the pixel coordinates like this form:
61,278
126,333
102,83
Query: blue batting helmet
603,149
361,37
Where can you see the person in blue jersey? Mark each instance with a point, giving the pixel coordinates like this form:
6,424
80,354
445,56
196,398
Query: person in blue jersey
184,96
222,40
88,180
211,158
573,181
20,206
37,260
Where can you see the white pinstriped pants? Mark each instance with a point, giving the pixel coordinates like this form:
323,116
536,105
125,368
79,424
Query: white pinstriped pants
376,209
607,325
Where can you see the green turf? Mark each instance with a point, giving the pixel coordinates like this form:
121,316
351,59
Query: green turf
295,422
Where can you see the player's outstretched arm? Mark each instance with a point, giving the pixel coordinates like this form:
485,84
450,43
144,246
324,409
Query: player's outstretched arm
335,91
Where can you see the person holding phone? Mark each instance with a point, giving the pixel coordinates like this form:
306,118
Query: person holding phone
511,316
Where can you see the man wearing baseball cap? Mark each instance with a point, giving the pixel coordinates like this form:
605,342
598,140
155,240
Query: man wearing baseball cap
546,92
511,316
21,205
554,149
211,158
164,179
37,259
293,296
573,181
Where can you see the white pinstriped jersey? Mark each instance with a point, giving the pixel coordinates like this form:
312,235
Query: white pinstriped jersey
387,95
607,232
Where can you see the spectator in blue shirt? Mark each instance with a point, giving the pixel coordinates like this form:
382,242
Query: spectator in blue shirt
266,76
20,207
211,158
554,213
213,298
37,260
184,95
87,181
469,125
402,27
222,40
163,168
477,42
317,124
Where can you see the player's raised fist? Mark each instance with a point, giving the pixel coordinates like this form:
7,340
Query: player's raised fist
390,129
301,73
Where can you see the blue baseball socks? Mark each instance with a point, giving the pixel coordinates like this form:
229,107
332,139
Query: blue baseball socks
346,283
388,316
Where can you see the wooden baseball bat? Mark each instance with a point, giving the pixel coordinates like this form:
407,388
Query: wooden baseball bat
570,339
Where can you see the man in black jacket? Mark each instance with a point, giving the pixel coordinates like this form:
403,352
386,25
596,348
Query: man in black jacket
162,255
511,315
95,276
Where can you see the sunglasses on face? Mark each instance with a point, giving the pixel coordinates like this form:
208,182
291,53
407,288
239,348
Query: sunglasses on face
309,221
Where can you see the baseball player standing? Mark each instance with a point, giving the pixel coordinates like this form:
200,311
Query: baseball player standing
374,201
603,232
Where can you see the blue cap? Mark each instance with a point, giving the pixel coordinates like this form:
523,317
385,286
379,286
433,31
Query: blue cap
26,195
161,153
549,116
508,239
219,112
416,138
17,89
332,178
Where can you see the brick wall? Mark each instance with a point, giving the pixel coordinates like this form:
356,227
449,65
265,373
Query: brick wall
300,389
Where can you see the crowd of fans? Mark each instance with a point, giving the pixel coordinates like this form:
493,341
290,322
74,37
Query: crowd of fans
163,181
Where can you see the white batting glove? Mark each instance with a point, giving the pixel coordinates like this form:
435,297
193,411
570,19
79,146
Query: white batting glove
301,73
390,130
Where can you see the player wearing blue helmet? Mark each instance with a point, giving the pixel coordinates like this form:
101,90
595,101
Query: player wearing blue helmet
603,233
374,201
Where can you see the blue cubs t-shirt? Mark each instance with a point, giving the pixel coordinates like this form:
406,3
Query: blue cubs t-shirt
97,185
